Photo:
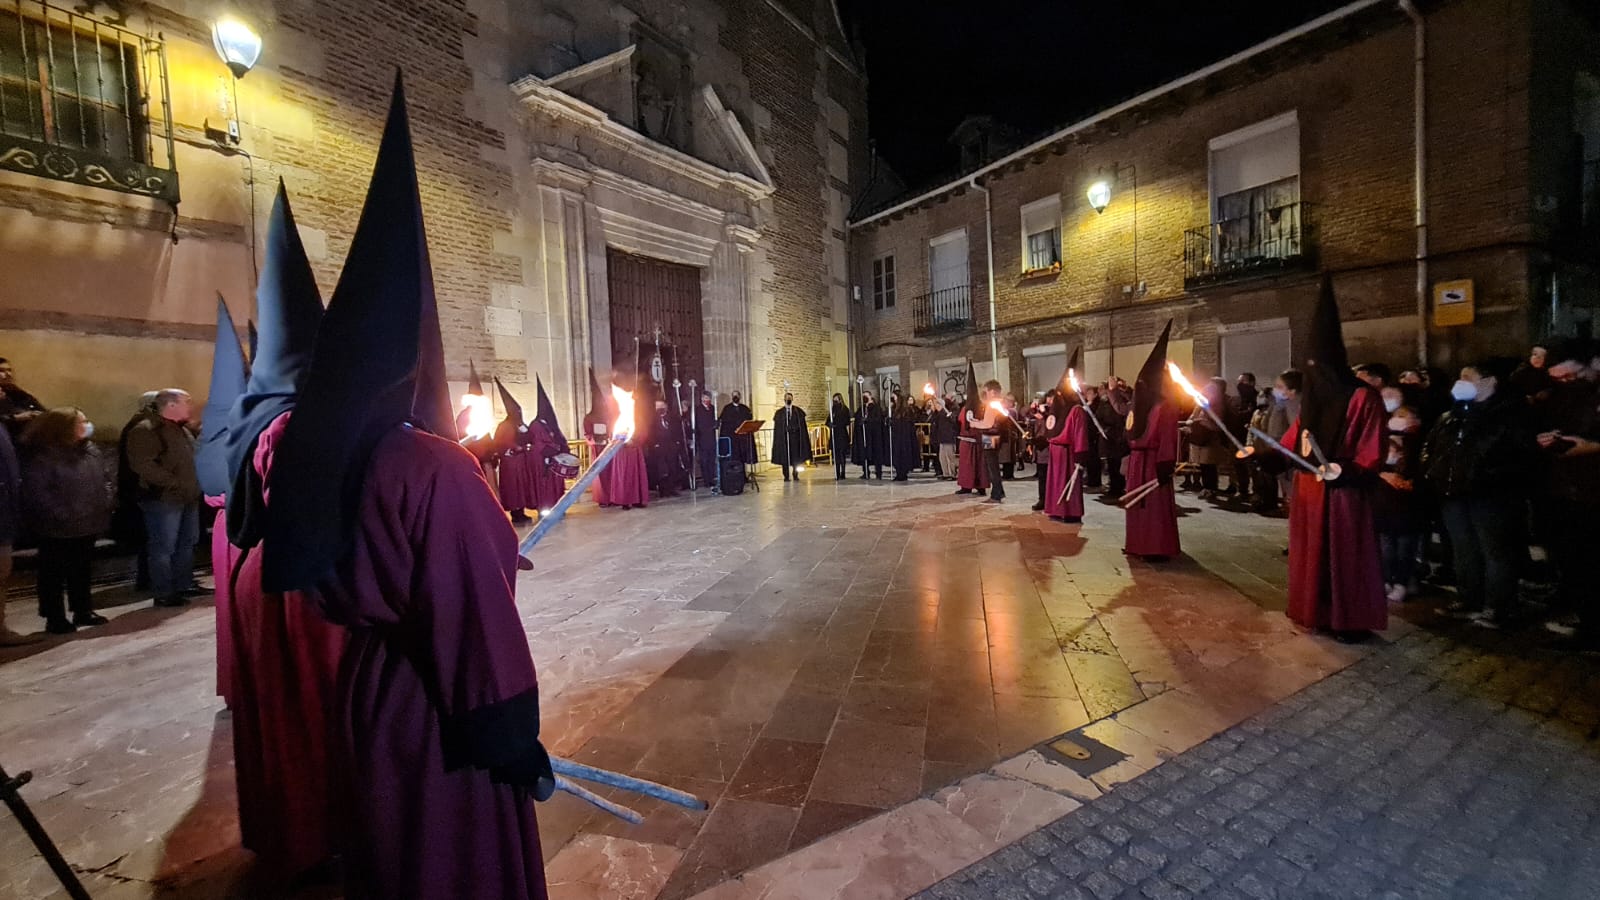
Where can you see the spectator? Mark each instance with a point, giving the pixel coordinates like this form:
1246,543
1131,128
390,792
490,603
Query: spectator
1477,459
161,454
1111,409
1244,409
1375,374
127,520
946,432
1572,445
1265,463
1397,509
1532,378
1285,410
66,504
1208,447
1411,378
10,522
17,406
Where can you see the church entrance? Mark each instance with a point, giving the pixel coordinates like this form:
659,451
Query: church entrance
653,301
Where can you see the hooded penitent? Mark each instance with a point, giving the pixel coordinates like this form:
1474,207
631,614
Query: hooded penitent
1065,399
974,402
474,389
602,409
379,362
228,377
1151,386
545,414
509,431
1329,380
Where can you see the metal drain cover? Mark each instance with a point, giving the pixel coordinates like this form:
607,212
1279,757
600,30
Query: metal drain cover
1082,754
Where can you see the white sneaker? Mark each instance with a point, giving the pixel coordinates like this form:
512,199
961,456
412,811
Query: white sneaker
1397,593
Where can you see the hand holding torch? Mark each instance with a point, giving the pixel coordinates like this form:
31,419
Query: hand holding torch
1072,378
621,432
1176,375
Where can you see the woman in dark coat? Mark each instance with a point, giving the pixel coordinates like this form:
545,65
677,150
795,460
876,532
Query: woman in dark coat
66,503
839,435
904,445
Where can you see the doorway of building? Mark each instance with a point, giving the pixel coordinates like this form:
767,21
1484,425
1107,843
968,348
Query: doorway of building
656,301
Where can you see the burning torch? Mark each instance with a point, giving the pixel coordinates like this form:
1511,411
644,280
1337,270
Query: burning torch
1200,399
1072,379
621,433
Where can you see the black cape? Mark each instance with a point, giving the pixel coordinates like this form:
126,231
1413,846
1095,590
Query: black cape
791,440
744,447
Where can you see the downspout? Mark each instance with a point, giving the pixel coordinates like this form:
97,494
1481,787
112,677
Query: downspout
988,238
1420,175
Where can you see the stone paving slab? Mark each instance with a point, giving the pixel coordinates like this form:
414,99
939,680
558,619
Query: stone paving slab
1434,768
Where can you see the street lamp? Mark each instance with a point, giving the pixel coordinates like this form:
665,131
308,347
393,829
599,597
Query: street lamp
1100,195
237,44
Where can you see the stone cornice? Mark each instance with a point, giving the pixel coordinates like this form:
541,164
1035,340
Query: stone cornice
538,95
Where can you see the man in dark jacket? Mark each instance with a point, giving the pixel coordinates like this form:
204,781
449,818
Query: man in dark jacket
1110,408
17,406
1477,460
161,453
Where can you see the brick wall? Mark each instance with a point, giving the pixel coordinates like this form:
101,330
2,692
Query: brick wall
1350,88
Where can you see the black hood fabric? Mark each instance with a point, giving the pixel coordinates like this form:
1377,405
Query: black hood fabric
378,363
545,414
229,375
1150,387
1065,399
1329,381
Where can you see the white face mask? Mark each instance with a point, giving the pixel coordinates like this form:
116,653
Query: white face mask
1391,404
1399,424
1464,391
1280,394
88,430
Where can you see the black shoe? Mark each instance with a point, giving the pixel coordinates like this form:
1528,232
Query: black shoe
1351,637
1072,520
1037,507
171,602
84,620
194,592
964,491
59,626
995,500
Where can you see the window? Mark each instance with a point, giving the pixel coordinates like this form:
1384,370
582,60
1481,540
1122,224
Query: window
1045,367
1255,196
1041,235
68,87
883,283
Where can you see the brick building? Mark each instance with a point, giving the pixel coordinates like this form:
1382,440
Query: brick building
697,157
1225,196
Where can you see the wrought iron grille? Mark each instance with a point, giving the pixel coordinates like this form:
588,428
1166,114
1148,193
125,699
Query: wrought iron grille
949,309
84,101
1262,243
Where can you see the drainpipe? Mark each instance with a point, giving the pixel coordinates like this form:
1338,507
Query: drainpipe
1420,175
988,237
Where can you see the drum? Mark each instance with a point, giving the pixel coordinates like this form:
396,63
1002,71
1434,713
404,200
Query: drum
565,465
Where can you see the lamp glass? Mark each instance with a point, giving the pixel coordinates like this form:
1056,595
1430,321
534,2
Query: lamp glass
1100,195
237,44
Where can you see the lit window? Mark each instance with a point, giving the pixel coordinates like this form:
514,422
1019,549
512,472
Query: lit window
1041,235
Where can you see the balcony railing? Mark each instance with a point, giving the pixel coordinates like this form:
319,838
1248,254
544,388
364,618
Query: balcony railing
84,101
945,310
1263,243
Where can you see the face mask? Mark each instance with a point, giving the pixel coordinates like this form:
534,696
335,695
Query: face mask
88,430
1399,424
1280,394
1464,391
1391,404
735,398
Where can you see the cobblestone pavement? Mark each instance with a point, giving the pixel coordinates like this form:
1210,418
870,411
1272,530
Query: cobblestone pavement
1452,765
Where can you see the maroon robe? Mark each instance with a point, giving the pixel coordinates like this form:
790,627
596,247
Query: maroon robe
547,485
629,476
223,557
971,474
1064,450
1153,521
1335,577
426,590
283,687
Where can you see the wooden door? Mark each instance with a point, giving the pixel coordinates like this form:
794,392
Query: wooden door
647,294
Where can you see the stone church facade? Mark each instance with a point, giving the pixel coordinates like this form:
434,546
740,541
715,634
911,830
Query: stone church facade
567,150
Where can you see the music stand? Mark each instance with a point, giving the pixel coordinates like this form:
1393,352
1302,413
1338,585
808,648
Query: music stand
749,429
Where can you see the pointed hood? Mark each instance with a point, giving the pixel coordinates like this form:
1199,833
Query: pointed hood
379,362
545,414
601,407
253,337
973,403
290,309
1328,379
1150,388
228,378
1066,398
513,408
474,383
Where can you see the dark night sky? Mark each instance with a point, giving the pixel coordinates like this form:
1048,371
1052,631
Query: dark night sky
1035,64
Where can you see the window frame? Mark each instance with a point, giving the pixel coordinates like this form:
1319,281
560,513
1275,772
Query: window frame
43,91
1033,210
885,283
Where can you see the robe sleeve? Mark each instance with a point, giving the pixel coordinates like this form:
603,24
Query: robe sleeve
477,652
1362,453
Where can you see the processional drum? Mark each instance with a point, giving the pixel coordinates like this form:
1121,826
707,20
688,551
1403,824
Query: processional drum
565,465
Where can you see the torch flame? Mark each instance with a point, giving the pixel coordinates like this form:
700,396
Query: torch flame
998,407
1177,377
622,429
1072,379
479,416
928,389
